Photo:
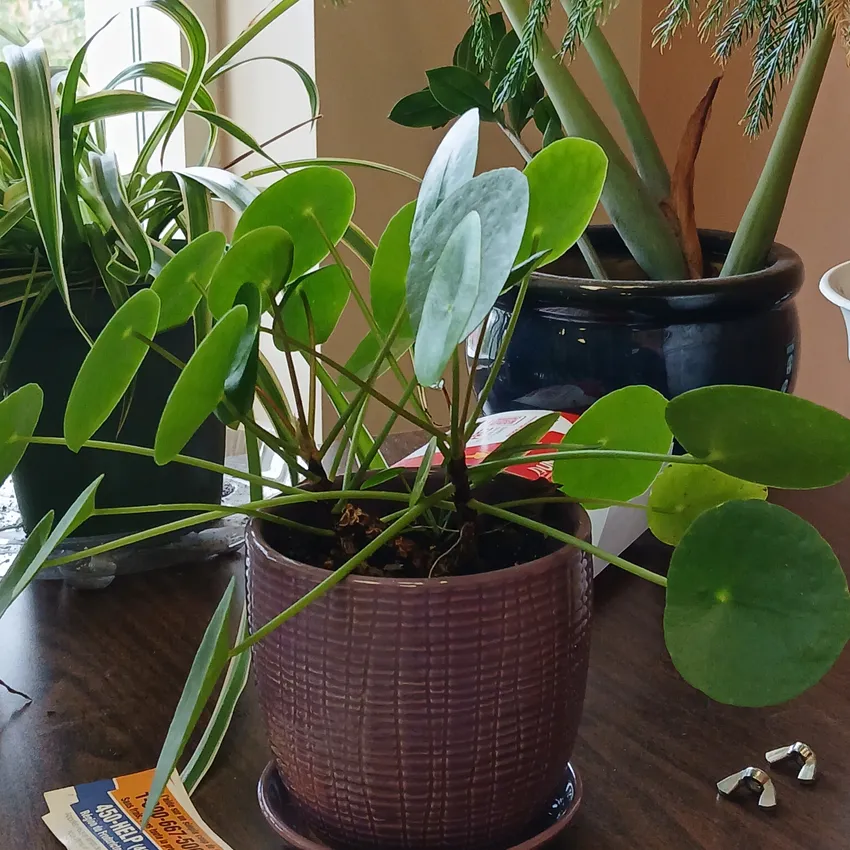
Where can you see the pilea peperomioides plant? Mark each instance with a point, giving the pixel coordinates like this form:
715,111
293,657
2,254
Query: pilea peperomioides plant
757,604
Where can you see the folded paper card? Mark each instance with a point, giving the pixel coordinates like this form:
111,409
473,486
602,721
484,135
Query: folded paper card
108,814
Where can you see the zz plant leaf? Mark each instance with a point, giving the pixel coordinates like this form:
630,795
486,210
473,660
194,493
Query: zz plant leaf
110,366
681,493
459,90
768,437
757,605
200,386
630,420
184,279
420,109
313,205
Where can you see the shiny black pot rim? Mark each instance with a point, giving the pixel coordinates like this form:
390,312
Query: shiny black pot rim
781,278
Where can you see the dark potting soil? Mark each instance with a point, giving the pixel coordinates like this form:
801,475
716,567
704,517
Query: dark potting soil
486,545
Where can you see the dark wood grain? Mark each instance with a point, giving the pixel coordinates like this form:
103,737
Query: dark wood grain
105,669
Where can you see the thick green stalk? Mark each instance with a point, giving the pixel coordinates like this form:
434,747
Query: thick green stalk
760,222
629,204
648,160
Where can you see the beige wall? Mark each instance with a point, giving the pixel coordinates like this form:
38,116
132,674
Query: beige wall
816,222
373,52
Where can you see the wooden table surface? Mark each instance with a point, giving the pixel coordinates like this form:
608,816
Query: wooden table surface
105,671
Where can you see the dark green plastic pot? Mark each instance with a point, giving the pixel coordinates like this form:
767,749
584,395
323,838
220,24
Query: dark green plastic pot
51,477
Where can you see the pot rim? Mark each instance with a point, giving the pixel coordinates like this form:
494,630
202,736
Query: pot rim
781,261
255,537
830,290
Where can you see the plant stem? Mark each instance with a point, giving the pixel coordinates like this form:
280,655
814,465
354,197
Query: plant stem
367,313
584,243
336,577
252,450
567,500
382,436
428,427
499,359
648,159
162,352
760,222
362,440
473,368
548,531
184,459
298,498
504,462
631,207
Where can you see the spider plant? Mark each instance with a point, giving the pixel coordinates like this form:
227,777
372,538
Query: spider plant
69,215
519,75
757,606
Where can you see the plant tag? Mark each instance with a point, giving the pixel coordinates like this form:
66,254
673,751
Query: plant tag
493,430
108,815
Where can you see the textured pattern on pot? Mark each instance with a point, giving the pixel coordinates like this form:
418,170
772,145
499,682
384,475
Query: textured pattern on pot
435,713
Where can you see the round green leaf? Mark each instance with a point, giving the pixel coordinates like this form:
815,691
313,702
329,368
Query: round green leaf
200,386
459,90
19,413
313,205
681,493
630,419
565,181
389,271
327,292
761,435
263,257
420,109
185,277
757,605
110,366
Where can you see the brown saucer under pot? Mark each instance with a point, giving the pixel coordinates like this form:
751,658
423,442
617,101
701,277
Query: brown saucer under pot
285,819
422,714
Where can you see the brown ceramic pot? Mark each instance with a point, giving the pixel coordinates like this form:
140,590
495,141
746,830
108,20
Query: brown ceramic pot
435,713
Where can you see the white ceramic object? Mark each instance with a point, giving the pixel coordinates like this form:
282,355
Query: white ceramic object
835,287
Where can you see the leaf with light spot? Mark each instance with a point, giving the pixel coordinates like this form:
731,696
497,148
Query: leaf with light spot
762,435
757,605
681,493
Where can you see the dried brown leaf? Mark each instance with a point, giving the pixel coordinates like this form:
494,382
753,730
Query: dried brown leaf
680,207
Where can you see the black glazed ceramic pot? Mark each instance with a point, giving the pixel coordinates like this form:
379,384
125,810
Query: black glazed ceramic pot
578,339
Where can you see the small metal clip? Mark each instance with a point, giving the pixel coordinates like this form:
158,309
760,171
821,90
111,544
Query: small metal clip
752,779
802,754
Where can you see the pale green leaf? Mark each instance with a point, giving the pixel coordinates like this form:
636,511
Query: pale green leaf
200,386
314,206
184,279
110,367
